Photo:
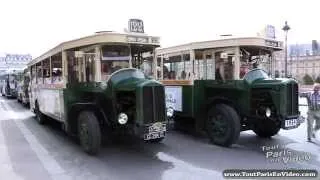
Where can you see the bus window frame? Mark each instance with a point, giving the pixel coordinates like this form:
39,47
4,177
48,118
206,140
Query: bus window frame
45,78
37,72
57,57
176,66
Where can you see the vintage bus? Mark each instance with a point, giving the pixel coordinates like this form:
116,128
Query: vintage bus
23,87
10,83
95,87
222,87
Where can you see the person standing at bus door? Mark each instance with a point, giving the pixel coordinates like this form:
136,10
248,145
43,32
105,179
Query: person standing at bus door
218,76
242,72
313,100
220,70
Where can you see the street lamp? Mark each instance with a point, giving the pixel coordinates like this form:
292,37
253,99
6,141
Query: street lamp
286,28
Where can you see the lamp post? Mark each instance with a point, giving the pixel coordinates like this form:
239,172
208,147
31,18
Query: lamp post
286,28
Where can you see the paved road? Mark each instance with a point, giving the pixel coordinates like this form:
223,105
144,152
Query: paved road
32,151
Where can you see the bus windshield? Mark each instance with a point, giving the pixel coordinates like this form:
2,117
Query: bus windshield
114,57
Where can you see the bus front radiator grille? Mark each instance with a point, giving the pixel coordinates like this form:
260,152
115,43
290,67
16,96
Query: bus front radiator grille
292,99
159,103
147,104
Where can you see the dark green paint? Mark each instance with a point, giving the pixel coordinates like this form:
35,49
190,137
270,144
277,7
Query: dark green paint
197,99
103,96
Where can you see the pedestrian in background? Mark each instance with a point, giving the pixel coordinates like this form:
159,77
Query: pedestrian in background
313,119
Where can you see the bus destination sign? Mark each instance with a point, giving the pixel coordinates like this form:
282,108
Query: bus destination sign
136,25
276,44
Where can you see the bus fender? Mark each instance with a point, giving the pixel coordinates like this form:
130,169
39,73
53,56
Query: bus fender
222,100
76,108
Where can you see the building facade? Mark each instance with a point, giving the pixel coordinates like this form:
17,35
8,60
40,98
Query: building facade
298,66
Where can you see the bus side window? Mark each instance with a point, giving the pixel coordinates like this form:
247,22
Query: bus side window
56,64
165,72
39,73
72,69
33,74
89,68
46,71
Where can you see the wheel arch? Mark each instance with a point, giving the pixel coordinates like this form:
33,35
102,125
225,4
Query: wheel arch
77,108
222,100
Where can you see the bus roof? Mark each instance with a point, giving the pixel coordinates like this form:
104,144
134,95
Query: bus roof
100,38
272,44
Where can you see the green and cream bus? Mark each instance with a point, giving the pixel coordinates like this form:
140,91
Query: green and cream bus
222,87
95,86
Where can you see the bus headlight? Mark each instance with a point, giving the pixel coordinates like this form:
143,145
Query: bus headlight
268,112
170,112
122,118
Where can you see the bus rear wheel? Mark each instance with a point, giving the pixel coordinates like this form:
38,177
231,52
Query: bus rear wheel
223,125
41,118
89,132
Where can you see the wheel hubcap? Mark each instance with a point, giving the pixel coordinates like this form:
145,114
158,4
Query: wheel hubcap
219,125
84,135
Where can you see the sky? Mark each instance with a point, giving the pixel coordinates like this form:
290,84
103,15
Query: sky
35,26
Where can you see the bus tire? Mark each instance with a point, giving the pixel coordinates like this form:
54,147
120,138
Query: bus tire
89,132
223,125
41,118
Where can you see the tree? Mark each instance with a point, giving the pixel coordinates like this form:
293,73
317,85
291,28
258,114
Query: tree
318,79
307,79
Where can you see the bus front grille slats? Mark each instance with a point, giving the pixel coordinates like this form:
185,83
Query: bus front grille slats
153,104
292,99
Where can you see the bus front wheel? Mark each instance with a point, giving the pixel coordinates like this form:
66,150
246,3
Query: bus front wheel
223,125
89,132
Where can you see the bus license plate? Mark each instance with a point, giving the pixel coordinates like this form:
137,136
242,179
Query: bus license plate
291,123
155,131
154,135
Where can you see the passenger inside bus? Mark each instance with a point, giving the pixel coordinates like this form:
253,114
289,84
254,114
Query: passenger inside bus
172,75
224,69
165,72
106,70
56,75
109,67
228,69
219,73
243,71
183,75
